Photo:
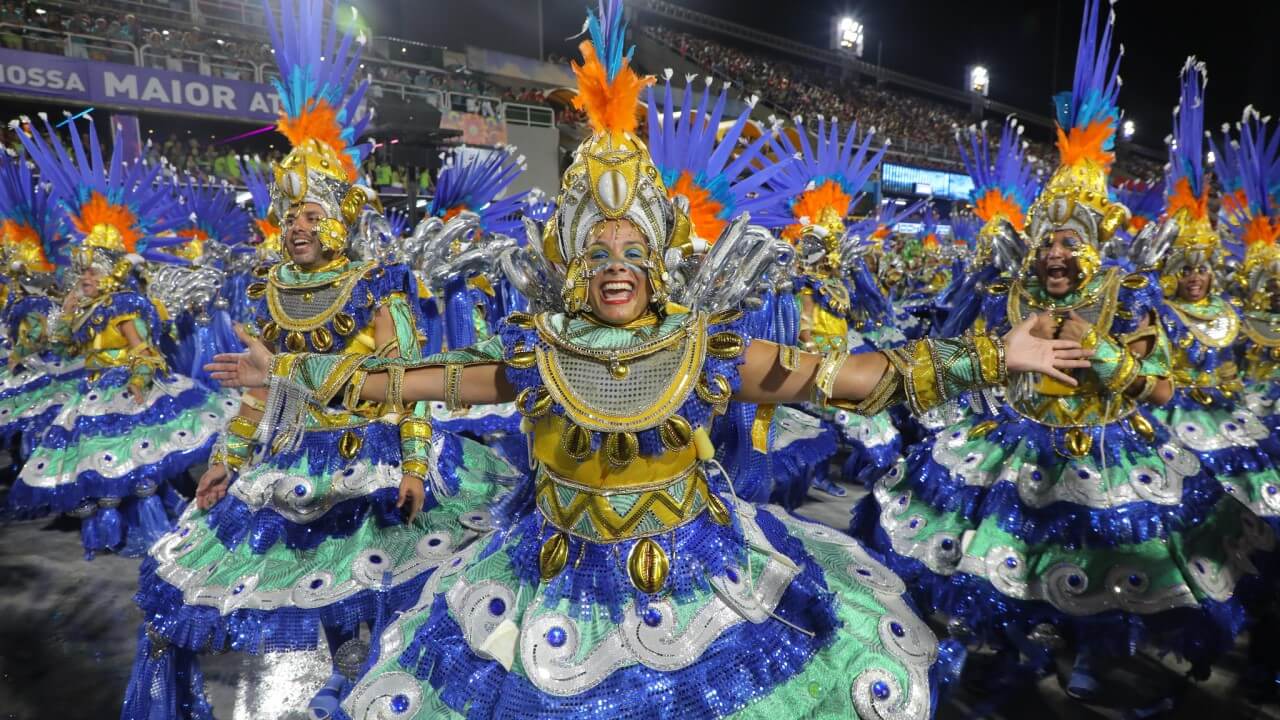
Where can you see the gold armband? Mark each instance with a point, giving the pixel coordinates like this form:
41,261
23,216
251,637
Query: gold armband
453,386
788,357
825,380
395,388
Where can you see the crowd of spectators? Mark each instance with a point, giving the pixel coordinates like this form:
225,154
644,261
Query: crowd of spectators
910,120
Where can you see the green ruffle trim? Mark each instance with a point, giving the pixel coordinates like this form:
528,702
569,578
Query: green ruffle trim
403,550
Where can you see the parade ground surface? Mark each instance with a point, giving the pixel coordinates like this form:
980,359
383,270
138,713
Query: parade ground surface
67,633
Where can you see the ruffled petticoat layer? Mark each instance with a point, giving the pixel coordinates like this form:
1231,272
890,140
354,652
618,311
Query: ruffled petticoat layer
769,616
108,460
305,542
994,524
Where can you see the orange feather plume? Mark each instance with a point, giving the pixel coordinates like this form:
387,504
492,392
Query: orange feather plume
1086,143
995,204
1261,229
318,122
811,203
1183,199
99,212
266,227
704,210
610,107
1234,203
26,245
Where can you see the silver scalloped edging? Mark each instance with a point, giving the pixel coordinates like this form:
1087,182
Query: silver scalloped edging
903,634
1080,482
294,496
793,426
1241,428
369,571
1066,586
872,432
113,464
651,639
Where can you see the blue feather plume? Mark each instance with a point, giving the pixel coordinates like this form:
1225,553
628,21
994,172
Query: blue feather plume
683,140
76,176
1009,172
316,65
1095,87
28,203
608,30
474,181
849,163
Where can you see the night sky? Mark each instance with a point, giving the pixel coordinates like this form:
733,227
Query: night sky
937,39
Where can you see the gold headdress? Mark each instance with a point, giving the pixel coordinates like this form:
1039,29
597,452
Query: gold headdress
321,119
1076,197
1187,191
612,177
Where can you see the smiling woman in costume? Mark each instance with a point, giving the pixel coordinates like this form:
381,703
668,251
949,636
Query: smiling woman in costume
1072,514
628,578
1203,326
130,425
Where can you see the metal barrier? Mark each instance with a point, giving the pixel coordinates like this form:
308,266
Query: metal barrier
530,115
200,63
76,45
475,104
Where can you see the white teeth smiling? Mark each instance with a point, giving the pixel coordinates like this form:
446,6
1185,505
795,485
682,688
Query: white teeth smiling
617,292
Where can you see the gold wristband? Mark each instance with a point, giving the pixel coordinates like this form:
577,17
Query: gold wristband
242,426
354,388
417,468
1125,374
453,386
282,364
414,428
991,361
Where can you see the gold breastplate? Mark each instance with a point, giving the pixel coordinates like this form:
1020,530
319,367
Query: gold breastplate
592,480
304,307
1213,326
1056,404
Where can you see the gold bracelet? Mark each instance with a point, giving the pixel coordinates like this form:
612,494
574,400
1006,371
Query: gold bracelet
395,388
242,426
453,386
354,388
417,468
415,428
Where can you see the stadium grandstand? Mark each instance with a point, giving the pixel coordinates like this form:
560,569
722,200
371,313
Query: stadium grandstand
190,81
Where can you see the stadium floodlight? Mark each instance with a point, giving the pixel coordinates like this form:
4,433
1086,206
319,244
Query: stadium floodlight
849,35
979,80
1211,158
1128,129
